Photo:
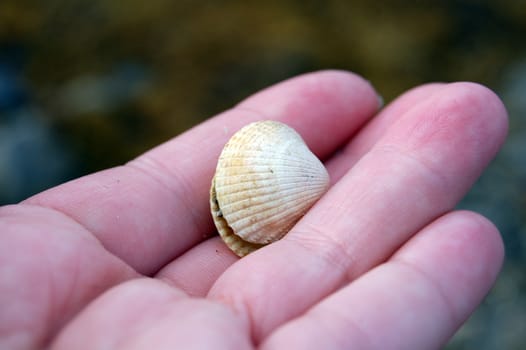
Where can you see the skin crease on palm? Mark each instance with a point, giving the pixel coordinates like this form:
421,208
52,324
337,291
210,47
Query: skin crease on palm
128,258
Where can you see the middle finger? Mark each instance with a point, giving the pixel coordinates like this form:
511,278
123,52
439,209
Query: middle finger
211,258
418,169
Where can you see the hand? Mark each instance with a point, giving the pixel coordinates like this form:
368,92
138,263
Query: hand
128,258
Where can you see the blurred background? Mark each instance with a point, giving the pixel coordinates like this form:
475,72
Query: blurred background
89,84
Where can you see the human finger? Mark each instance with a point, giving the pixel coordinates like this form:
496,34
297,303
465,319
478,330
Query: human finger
418,170
363,141
156,207
195,271
415,300
148,314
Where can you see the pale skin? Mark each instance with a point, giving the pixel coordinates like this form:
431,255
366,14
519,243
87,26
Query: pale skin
128,258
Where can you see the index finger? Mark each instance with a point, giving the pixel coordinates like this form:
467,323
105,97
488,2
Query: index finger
156,207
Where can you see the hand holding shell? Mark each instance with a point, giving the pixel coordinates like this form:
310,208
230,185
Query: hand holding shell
266,179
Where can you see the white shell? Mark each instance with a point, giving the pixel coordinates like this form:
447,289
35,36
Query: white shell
266,179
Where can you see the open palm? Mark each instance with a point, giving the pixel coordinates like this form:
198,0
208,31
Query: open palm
128,258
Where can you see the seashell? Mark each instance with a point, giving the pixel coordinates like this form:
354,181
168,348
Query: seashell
266,179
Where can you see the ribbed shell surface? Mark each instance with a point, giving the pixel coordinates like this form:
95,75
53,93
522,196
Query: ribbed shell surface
266,179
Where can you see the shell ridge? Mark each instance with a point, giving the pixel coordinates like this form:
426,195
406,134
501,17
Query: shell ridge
281,216
278,209
295,157
266,196
250,185
263,176
264,167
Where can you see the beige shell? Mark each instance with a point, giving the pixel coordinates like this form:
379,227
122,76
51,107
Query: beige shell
266,179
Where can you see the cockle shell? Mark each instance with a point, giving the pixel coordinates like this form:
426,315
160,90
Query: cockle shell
266,179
